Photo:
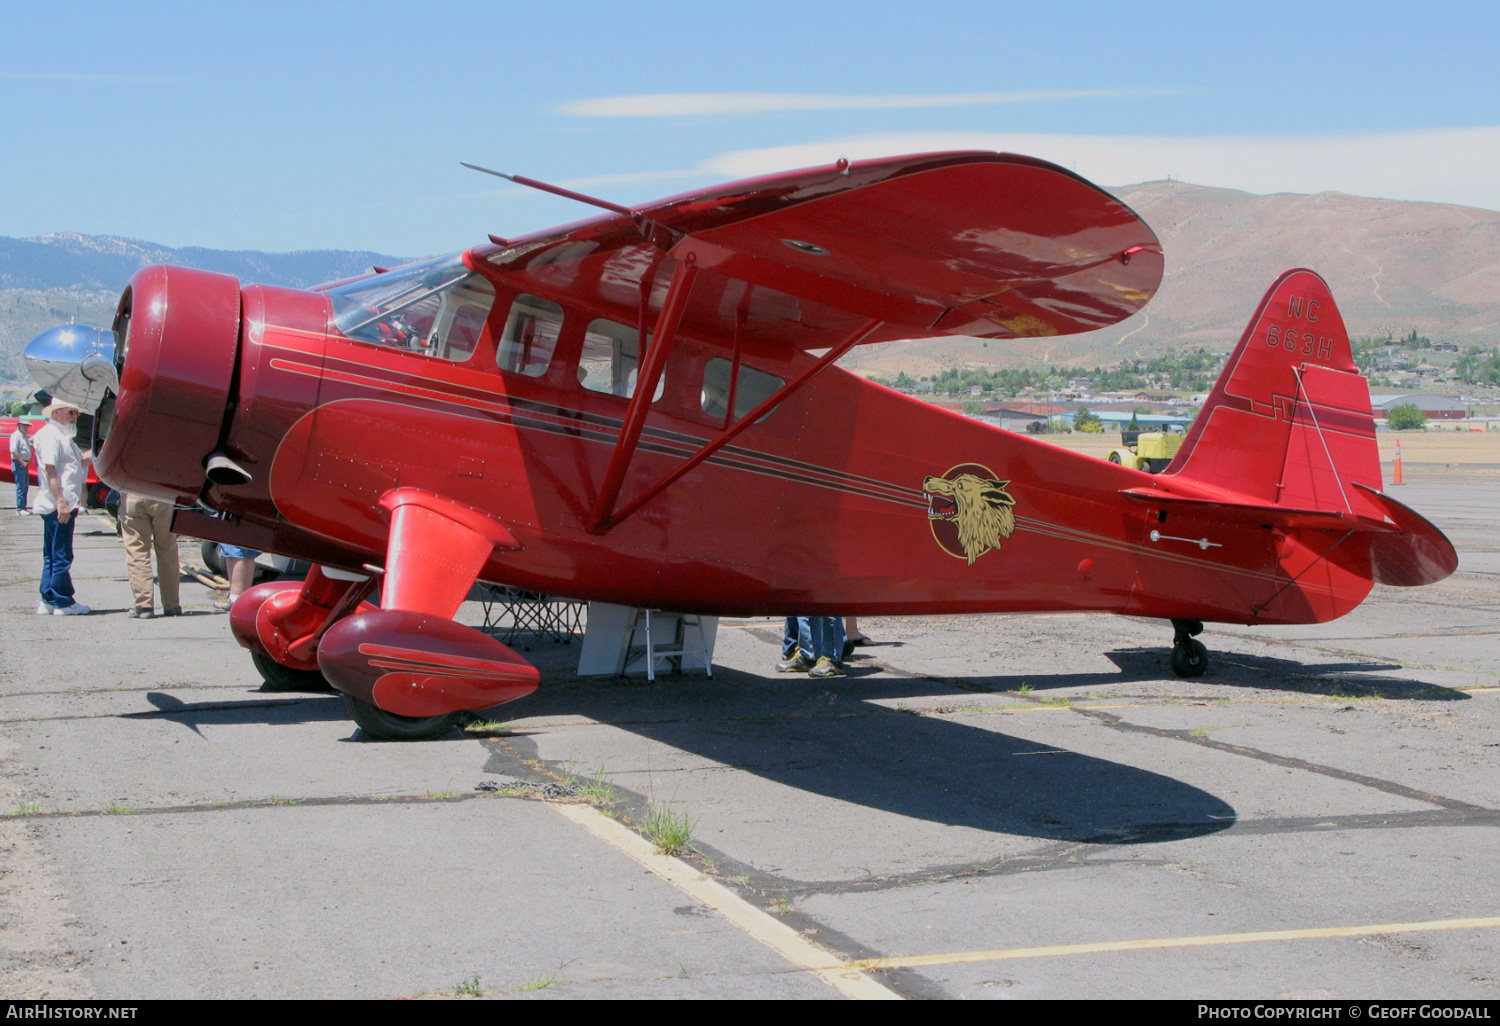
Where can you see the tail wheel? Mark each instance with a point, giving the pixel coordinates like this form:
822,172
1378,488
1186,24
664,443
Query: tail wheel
1114,458
286,678
1189,658
387,726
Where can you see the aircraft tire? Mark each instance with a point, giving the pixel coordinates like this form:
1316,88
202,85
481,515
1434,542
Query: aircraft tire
387,726
1190,658
1114,458
211,559
287,678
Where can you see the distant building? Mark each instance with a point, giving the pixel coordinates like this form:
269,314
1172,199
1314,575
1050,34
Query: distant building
1019,416
1445,347
1434,407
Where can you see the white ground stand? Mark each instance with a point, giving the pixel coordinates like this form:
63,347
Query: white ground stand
628,639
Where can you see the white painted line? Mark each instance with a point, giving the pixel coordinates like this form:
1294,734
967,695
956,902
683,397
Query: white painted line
1177,942
849,980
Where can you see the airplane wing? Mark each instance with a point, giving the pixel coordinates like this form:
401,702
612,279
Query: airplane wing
984,244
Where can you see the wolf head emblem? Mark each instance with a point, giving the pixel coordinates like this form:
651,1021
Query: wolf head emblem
977,506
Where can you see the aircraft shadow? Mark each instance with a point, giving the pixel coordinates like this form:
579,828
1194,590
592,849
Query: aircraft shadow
825,738
294,708
1267,673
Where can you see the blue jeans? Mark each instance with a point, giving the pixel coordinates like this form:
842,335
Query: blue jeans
816,636
22,480
57,560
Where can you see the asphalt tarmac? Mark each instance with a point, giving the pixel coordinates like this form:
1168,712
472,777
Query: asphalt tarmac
986,807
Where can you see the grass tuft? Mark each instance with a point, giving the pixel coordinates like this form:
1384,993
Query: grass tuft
1026,689
597,789
468,988
27,809
671,831
116,809
543,982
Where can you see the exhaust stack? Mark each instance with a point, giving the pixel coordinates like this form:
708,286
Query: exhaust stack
222,470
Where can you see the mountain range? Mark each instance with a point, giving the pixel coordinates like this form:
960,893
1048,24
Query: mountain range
68,260
67,276
1393,265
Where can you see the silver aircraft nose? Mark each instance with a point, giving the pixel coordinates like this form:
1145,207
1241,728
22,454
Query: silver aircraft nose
74,363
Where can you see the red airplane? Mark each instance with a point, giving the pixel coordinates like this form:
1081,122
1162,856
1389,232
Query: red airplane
643,408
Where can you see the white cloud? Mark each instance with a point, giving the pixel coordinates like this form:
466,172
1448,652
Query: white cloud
678,105
1447,165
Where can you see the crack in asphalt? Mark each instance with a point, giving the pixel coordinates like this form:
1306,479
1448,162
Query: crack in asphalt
1374,783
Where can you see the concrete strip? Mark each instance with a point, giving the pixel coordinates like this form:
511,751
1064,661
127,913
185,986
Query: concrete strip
850,982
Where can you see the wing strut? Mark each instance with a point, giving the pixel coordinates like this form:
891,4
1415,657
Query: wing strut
652,362
602,525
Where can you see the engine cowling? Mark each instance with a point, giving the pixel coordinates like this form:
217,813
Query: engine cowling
178,335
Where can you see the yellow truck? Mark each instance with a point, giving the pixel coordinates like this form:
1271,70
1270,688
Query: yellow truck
1150,451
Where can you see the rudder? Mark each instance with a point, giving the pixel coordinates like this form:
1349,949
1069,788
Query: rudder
1289,421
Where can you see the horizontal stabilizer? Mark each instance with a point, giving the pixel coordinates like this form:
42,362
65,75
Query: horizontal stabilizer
1420,554
1405,551
1284,517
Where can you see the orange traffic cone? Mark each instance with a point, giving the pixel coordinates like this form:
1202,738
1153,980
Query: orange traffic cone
1398,462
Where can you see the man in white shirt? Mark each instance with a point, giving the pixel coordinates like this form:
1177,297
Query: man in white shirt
20,461
60,473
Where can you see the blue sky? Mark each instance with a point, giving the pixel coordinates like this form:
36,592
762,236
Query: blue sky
341,125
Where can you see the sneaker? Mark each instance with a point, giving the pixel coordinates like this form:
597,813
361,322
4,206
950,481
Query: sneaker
171,611
141,614
76,609
798,663
224,605
43,609
826,667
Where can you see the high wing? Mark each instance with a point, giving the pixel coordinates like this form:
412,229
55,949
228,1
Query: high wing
984,244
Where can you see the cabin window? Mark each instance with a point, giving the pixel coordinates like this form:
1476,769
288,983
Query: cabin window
530,336
437,308
611,359
754,388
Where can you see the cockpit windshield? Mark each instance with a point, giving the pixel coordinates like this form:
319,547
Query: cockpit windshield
437,307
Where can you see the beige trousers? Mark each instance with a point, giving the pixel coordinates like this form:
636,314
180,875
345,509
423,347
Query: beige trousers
146,524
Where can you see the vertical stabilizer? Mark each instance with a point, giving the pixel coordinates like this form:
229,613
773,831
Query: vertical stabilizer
1289,421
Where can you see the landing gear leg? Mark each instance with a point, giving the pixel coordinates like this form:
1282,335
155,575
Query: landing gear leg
408,671
1189,657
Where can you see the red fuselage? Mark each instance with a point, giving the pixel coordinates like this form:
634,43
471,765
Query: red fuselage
820,508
